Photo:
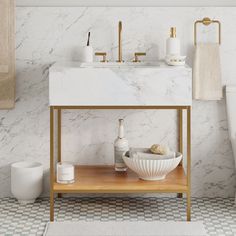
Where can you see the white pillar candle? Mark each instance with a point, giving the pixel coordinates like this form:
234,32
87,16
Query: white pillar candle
65,173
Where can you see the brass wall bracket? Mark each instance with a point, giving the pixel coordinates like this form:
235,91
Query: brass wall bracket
207,21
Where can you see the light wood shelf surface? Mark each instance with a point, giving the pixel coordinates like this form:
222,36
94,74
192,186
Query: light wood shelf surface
104,179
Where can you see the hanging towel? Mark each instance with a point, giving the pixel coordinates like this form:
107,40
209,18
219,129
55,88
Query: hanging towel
207,72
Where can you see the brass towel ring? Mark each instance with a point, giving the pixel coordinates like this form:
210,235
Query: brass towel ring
207,21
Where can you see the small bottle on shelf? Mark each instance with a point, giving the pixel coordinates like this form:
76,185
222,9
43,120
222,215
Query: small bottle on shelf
121,145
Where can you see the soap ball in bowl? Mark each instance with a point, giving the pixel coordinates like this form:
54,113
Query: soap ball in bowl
159,149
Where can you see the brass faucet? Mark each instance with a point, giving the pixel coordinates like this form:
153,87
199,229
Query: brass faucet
120,60
119,42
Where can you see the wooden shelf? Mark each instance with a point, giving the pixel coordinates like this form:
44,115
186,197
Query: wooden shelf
104,179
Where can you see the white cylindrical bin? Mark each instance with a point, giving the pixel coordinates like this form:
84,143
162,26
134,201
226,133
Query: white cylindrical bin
65,173
26,181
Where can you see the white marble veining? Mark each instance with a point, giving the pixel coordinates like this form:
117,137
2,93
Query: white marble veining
46,35
71,84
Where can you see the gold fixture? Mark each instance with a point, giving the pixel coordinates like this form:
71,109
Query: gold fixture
103,54
207,21
137,54
119,42
173,32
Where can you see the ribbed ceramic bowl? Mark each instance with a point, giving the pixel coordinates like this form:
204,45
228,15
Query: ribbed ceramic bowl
148,169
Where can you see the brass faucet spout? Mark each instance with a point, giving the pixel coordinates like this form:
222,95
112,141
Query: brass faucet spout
120,42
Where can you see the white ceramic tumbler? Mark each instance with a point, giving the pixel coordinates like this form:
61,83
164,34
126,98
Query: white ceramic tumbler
26,181
87,54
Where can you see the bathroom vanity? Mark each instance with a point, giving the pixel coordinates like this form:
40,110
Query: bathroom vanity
120,86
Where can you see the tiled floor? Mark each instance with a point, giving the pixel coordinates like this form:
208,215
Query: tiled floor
219,215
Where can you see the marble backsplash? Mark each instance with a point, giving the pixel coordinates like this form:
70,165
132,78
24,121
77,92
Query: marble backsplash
48,34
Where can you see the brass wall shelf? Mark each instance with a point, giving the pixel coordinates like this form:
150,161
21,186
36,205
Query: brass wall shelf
93,179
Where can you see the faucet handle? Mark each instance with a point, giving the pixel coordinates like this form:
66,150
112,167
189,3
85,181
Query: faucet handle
103,54
138,54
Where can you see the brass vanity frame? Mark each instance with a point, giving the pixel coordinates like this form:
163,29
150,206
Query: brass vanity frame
180,109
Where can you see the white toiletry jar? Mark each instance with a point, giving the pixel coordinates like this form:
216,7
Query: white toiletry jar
65,173
26,181
86,54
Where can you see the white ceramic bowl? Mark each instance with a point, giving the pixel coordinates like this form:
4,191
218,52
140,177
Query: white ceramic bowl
26,181
152,169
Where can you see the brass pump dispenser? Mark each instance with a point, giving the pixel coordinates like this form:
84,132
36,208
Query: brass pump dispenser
173,32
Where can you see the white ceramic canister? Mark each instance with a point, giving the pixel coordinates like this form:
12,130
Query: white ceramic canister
26,181
65,173
86,54
172,43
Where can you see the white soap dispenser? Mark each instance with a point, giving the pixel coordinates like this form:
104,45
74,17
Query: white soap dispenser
172,44
121,145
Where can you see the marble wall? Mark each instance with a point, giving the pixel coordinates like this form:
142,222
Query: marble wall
46,35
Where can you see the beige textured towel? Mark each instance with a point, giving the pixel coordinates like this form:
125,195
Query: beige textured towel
7,54
207,72
7,92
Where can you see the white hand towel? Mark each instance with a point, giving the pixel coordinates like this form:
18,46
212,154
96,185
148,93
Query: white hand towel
207,72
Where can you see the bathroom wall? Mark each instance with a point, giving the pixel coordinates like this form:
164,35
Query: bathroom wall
46,35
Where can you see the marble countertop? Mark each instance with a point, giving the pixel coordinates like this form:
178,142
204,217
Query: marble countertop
112,65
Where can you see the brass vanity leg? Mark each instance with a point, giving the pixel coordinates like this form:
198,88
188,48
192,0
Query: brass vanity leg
51,163
180,139
189,206
189,163
59,134
59,139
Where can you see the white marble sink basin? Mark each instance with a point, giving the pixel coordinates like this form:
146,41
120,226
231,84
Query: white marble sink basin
153,84
118,64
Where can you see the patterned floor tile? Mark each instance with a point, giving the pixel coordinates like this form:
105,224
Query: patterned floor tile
218,215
